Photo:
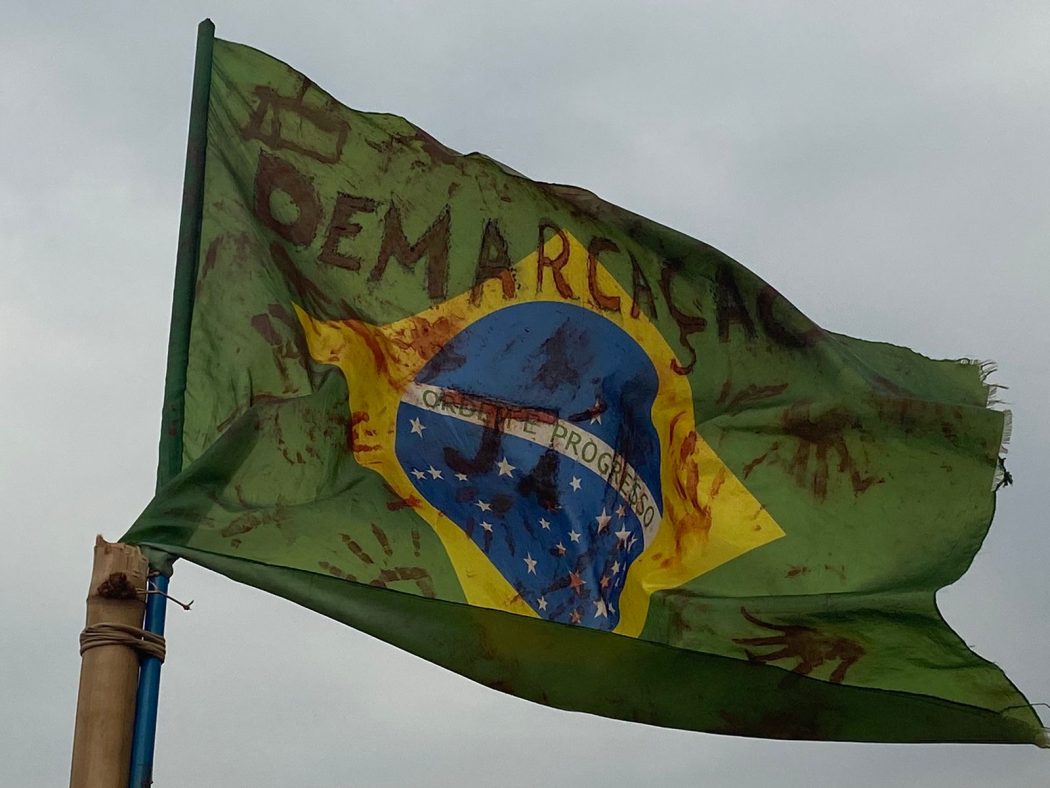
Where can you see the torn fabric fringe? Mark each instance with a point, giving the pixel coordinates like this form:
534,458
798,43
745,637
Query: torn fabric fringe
1002,477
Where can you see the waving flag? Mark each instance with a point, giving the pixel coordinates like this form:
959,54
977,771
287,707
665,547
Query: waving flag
557,447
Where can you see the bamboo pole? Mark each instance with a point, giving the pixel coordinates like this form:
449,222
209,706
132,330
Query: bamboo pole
109,673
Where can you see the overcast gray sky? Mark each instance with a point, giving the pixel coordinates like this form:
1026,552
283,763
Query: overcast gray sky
887,169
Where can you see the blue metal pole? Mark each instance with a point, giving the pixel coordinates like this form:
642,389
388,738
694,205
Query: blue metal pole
144,736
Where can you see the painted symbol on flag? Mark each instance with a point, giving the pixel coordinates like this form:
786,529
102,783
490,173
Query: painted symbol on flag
550,443
531,430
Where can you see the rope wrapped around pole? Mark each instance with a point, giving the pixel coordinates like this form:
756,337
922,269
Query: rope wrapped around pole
146,643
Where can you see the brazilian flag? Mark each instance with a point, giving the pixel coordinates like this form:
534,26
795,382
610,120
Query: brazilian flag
555,446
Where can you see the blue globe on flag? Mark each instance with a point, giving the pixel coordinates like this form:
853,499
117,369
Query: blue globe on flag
532,430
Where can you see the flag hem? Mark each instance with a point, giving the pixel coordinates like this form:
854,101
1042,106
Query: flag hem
191,219
304,588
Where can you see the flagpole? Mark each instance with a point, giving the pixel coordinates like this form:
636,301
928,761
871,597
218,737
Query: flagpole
144,731
109,667
170,461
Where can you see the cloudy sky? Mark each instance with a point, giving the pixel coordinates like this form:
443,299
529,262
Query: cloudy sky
887,169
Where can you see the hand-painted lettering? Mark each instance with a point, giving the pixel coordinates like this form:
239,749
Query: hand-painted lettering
610,303
556,263
432,244
342,228
273,174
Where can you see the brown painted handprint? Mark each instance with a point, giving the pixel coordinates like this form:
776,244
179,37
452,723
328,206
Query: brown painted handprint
815,439
805,644
377,571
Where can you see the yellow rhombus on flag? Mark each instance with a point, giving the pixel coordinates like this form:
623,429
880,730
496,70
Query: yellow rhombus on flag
700,524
